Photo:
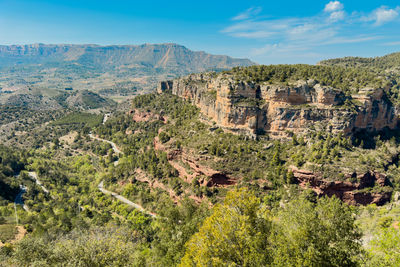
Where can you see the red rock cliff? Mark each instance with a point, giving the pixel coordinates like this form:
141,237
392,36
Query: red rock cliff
354,193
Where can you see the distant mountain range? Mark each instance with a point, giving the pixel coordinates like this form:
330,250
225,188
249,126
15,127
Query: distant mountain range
171,56
114,71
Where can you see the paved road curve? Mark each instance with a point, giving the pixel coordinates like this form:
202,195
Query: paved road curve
124,200
101,185
19,200
114,146
34,176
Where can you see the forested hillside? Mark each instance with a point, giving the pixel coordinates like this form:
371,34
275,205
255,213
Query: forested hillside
387,67
202,200
389,62
346,79
162,180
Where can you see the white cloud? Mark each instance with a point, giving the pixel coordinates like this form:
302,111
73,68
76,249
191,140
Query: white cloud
277,48
301,29
312,29
383,15
333,6
259,29
304,35
302,48
252,11
254,34
285,52
336,16
348,40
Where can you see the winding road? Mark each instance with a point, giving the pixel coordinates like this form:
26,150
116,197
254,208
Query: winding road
124,200
19,200
114,146
34,176
113,194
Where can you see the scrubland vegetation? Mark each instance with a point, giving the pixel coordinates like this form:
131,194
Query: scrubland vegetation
217,199
264,219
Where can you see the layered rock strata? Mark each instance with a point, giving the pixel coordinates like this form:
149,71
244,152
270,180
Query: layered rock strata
279,110
366,188
205,175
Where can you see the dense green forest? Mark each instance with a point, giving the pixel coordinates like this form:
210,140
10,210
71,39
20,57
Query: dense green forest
11,163
349,80
387,66
348,74
388,62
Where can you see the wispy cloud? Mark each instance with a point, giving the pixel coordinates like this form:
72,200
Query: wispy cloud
392,43
315,28
331,26
278,47
347,40
260,29
293,48
252,11
382,15
253,34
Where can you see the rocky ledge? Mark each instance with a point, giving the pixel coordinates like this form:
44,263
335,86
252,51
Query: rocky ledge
279,110
204,175
366,188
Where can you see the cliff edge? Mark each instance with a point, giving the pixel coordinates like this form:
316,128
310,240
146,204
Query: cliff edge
282,108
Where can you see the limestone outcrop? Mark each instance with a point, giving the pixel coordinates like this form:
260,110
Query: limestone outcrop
278,110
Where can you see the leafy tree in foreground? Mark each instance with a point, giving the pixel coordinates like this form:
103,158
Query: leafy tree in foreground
175,225
321,234
385,248
240,232
96,247
234,235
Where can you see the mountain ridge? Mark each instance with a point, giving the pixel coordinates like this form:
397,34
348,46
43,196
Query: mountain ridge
120,70
79,50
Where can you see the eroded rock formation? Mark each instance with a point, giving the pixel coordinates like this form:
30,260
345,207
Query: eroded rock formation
366,188
205,175
253,108
146,116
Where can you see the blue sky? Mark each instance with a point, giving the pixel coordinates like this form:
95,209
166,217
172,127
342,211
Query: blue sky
267,32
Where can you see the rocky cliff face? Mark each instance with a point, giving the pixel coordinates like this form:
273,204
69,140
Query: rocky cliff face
358,192
253,108
206,176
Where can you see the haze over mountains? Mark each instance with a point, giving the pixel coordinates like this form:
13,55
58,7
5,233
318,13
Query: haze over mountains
155,55
116,69
45,71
